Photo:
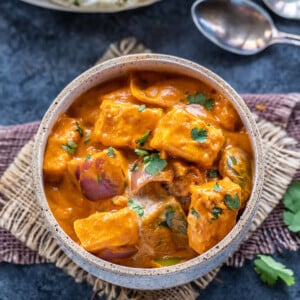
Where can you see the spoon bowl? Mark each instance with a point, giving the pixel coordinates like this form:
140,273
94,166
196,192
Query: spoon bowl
287,9
241,27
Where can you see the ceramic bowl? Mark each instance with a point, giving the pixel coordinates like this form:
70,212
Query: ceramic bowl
140,278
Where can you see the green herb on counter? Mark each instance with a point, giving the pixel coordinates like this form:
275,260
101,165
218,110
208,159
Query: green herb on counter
270,270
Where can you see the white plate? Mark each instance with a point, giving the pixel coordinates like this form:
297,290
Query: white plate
104,7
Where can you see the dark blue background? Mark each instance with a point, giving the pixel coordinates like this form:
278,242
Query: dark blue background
41,51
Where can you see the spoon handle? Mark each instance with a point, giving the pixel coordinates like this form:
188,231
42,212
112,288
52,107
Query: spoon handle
287,38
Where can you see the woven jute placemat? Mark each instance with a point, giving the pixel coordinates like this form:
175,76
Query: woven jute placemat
20,215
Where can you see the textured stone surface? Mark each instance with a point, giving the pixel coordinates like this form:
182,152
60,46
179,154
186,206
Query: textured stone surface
41,51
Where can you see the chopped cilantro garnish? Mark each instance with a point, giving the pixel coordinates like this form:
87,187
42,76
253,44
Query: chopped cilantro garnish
88,157
154,164
182,229
291,200
213,173
99,179
233,160
195,213
199,134
139,210
201,99
142,107
143,139
87,141
216,211
216,187
134,168
111,152
169,216
270,270
141,152
70,147
232,203
79,129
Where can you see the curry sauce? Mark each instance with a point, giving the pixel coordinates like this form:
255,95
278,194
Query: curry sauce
149,170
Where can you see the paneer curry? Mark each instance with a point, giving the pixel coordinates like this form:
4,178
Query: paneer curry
148,170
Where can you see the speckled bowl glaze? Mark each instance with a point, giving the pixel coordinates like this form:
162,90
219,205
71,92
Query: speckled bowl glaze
140,278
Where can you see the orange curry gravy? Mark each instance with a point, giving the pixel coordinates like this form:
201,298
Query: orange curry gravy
148,170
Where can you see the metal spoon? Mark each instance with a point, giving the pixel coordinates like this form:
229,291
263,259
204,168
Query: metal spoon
239,26
285,8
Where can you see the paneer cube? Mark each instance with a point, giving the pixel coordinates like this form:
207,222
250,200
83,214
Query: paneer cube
56,158
225,114
213,212
123,125
236,164
102,176
164,229
108,230
174,134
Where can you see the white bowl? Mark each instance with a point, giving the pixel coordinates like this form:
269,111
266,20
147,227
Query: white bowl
141,278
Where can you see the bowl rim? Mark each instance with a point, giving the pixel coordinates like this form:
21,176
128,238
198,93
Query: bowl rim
77,253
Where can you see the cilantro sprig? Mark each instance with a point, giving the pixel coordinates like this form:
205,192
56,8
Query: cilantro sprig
232,202
199,134
154,164
139,210
201,99
213,173
70,147
141,152
270,270
141,141
217,187
291,201
142,108
111,152
216,212
195,213
79,129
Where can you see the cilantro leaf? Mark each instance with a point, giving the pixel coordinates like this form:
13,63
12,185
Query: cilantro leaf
141,152
99,179
139,210
142,108
143,139
201,99
154,164
270,270
198,98
232,203
134,168
195,213
216,187
213,173
209,104
199,134
111,152
70,147
291,200
292,220
216,211
79,129
169,216
88,157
